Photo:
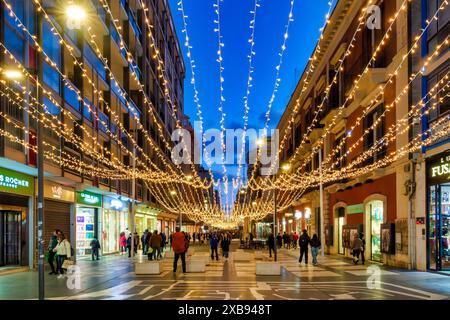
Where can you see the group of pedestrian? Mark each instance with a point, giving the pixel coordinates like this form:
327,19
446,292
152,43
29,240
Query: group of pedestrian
224,239
304,241
153,244
358,248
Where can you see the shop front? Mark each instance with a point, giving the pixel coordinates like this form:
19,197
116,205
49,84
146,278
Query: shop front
438,217
146,218
302,218
88,212
263,230
166,222
114,221
58,206
368,209
16,194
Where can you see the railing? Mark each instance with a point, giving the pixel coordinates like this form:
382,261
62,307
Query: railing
104,119
86,112
71,97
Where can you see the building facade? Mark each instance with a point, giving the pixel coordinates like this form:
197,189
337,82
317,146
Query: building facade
364,84
114,82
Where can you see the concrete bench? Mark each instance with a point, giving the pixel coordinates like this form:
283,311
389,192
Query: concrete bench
148,267
242,256
193,266
268,269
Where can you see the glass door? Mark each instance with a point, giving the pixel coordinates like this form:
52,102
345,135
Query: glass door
438,223
10,231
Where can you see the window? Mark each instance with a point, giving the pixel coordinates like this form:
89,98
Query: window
439,29
339,158
52,48
439,105
375,133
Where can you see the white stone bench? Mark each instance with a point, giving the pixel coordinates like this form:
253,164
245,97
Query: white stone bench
268,268
195,266
242,256
148,267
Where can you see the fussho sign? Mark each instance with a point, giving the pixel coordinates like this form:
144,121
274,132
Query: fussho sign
439,170
16,182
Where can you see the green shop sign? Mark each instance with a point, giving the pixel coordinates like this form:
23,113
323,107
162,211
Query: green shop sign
16,182
89,198
355,208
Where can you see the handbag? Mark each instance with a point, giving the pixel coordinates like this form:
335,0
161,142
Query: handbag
67,263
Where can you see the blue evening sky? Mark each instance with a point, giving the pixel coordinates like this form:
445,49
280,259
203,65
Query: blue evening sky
235,17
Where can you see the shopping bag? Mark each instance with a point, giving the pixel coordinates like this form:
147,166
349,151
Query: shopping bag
67,263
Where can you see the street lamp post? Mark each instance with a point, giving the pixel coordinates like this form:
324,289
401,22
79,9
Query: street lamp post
275,224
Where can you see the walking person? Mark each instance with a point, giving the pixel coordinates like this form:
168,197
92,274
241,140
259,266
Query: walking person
63,251
163,241
225,245
294,240
144,242
123,243
179,249
271,244
136,242
95,247
51,254
315,246
155,244
363,248
356,248
303,243
279,241
214,242
129,245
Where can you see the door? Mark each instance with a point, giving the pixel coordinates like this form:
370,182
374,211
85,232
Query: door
375,219
341,221
10,237
438,223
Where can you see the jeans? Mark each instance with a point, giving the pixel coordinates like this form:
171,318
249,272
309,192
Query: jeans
303,251
95,253
59,263
270,251
183,261
356,253
314,253
225,254
51,259
214,250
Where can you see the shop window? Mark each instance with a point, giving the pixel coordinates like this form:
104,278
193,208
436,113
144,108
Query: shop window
440,105
374,219
375,125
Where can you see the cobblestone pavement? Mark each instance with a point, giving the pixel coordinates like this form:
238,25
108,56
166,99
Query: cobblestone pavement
334,278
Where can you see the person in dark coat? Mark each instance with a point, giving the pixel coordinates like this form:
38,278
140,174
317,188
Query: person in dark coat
51,254
303,242
95,248
279,240
214,242
225,245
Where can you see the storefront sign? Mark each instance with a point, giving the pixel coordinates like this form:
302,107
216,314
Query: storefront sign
439,170
355,208
114,204
89,198
58,192
16,182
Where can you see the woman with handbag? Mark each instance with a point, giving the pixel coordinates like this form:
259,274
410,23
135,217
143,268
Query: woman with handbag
63,252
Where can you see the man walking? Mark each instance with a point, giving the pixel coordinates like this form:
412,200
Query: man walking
179,249
95,247
51,254
303,243
214,242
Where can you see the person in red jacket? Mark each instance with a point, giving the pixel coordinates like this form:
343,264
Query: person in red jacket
179,249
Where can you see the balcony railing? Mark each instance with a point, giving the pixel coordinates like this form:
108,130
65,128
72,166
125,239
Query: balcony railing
71,97
104,119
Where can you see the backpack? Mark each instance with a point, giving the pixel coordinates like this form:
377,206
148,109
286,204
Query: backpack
304,240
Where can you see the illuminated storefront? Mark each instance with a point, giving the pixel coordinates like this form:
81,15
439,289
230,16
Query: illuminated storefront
88,211
16,194
146,218
114,221
438,217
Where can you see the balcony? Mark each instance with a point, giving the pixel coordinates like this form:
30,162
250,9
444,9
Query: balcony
120,54
103,118
71,97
